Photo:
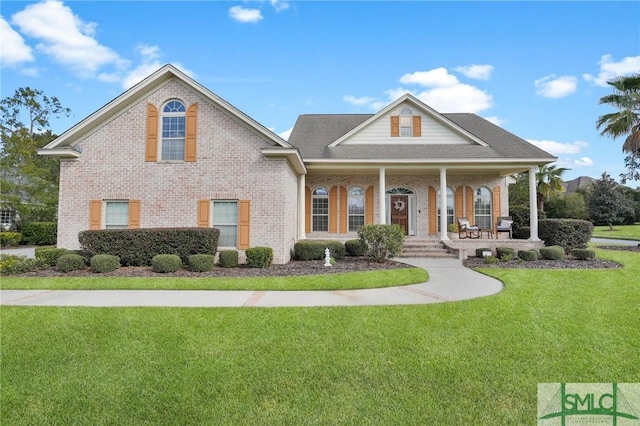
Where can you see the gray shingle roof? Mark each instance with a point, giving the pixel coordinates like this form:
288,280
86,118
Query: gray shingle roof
313,133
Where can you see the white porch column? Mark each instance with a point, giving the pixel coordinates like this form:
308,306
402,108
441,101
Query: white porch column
443,204
533,205
382,193
301,207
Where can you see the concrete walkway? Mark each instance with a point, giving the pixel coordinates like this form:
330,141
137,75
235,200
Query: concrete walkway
449,281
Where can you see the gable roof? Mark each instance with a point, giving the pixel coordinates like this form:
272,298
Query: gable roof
319,137
63,145
577,183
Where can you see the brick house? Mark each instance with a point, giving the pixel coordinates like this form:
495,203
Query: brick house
170,153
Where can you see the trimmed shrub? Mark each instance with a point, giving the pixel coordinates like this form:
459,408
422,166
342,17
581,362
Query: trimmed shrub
491,260
552,253
479,251
164,263
259,257
336,249
10,239
39,233
71,262
228,259
521,233
48,256
101,263
505,253
568,233
309,250
16,264
528,255
355,248
383,241
583,254
136,247
201,262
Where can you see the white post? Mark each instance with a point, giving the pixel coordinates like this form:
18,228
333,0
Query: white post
301,207
382,194
443,204
533,205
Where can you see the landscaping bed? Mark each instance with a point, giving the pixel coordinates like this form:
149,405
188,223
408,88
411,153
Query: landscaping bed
293,268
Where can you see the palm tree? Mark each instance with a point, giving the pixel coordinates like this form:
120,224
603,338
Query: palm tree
549,180
626,121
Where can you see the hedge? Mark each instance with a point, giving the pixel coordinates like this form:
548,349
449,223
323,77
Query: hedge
583,254
552,253
10,239
355,248
39,233
314,249
48,256
71,262
528,255
136,247
568,233
201,262
505,253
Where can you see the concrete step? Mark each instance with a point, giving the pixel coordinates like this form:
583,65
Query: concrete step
427,249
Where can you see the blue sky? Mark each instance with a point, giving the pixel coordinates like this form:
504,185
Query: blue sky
537,69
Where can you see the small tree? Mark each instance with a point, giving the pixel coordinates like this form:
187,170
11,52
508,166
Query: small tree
382,241
606,203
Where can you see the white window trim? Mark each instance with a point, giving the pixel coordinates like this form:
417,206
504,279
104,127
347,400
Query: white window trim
104,214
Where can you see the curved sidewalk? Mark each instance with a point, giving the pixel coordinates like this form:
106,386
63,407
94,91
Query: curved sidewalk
449,281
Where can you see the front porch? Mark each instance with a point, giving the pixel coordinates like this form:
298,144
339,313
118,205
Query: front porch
462,248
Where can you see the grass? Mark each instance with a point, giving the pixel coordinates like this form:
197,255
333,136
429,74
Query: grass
620,232
355,280
470,362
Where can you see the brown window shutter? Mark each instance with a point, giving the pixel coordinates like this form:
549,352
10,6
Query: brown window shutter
95,214
192,131
244,221
343,210
395,125
433,211
496,205
368,206
333,210
307,209
458,213
417,125
203,213
470,208
134,214
151,150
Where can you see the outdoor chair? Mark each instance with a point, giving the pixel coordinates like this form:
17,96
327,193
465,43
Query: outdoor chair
504,224
465,230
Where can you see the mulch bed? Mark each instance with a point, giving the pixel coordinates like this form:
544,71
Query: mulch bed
293,268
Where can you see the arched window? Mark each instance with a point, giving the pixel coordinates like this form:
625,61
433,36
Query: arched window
355,203
406,122
320,209
482,207
450,207
173,130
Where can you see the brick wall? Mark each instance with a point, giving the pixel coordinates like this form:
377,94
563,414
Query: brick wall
229,166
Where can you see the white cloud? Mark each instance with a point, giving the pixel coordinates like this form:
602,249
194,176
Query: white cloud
279,5
479,72
285,135
571,163
558,148
495,120
244,15
553,86
13,51
363,100
610,69
438,77
65,38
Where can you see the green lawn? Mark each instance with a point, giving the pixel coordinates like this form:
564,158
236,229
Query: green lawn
620,232
355,280
472,362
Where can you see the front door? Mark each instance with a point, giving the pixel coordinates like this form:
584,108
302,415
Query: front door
400,211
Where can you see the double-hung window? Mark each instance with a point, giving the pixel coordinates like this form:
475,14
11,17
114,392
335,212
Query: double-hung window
116,214
482,207
406,122
355,202
225,218
320,209
173,131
